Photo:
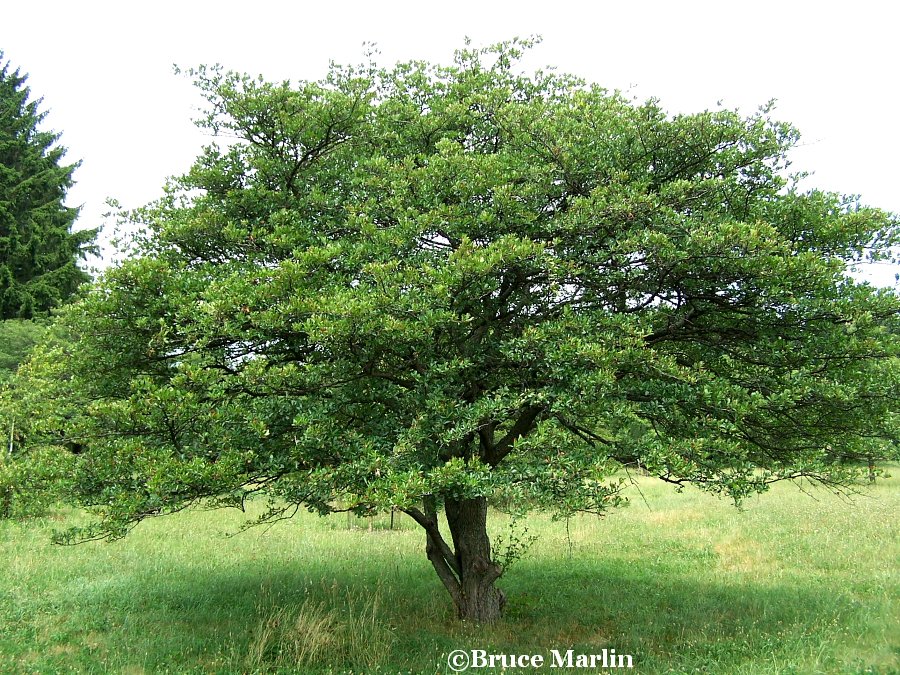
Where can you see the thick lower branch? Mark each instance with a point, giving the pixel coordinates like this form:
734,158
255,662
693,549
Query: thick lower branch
440,555
445,573
429,523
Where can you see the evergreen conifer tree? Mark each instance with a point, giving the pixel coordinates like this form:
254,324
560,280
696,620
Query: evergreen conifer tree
38,249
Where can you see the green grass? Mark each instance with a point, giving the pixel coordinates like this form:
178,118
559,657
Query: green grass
684,582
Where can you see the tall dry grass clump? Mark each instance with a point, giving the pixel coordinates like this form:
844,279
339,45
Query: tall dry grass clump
316,633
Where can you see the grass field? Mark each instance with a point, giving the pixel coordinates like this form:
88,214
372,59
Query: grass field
683,582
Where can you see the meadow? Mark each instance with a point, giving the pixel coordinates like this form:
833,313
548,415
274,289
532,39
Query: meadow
794,582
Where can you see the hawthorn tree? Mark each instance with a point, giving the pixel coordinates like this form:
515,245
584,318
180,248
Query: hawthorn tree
39,252
427,287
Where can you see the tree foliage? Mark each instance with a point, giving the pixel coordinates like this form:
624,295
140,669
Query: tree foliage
17,338
39,253
38,250
427,287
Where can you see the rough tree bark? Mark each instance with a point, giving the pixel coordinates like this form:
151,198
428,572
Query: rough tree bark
467,570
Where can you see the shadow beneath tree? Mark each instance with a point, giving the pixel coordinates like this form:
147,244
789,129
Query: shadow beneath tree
661,616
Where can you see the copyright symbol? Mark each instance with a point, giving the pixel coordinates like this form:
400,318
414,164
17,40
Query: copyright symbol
458,660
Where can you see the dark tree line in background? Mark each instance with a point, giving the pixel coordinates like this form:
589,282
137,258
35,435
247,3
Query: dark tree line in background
39,251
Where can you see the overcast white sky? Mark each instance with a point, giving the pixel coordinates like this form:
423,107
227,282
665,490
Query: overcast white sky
105,69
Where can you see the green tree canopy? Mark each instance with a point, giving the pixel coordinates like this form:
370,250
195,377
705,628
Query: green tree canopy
427,287
38,250
17,338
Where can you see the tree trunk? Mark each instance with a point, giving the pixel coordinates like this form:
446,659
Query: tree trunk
466,570
479,599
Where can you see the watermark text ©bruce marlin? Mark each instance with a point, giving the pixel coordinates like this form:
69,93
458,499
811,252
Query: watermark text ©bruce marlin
461,660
